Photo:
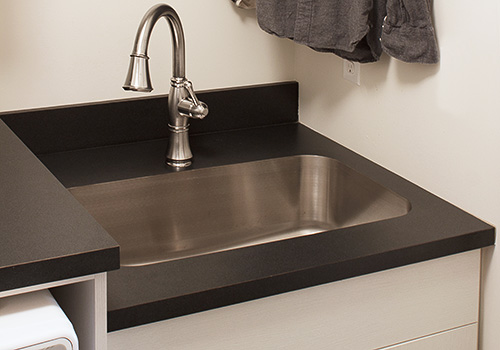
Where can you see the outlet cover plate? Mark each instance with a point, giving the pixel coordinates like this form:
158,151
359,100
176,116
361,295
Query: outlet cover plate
352,72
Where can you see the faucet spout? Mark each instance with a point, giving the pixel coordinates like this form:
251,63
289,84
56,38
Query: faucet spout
182,101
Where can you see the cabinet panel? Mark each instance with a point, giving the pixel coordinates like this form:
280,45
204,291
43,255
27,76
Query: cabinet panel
366,312
85,305
463,338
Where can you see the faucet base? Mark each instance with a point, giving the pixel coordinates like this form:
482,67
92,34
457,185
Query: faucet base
178,163
178,152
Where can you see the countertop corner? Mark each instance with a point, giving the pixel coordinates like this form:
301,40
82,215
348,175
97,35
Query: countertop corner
44,234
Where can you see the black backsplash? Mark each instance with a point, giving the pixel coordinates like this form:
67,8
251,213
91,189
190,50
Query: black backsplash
59,129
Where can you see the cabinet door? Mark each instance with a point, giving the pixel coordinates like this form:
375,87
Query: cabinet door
463,338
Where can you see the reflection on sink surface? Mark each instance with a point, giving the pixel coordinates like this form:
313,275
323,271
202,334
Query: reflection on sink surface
176,215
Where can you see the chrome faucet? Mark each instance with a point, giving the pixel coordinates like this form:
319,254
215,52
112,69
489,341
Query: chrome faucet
182,101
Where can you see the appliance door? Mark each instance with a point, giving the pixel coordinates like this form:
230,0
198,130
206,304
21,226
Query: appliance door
35,321
57,344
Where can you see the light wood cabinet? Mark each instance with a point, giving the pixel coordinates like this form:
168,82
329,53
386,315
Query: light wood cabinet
431,301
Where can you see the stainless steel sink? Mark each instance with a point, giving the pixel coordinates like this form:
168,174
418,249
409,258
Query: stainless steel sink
177,215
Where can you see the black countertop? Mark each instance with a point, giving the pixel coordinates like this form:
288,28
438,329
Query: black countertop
45,235
138,295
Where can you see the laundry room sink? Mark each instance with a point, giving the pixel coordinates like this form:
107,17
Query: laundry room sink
201,211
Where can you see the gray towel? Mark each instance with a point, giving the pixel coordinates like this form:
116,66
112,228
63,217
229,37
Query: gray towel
357,30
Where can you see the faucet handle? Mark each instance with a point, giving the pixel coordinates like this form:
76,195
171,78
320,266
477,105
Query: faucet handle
191,106
188,85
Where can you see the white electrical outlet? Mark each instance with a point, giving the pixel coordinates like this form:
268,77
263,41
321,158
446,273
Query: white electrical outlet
352,72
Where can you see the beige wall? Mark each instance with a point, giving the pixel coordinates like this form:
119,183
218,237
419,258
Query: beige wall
58,52
437,126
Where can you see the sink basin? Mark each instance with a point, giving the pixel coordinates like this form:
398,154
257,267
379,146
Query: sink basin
177,215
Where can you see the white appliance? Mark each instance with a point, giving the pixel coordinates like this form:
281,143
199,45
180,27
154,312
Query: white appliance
34,321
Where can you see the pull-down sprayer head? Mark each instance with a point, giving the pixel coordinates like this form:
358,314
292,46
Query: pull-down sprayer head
138,77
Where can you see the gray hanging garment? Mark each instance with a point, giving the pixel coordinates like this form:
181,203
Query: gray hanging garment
245,4
354,29
408,33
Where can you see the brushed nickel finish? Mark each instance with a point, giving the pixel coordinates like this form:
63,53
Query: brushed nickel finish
182,101
177,215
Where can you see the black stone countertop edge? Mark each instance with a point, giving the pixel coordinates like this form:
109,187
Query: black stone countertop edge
45,235
260,288
59,268
139,295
